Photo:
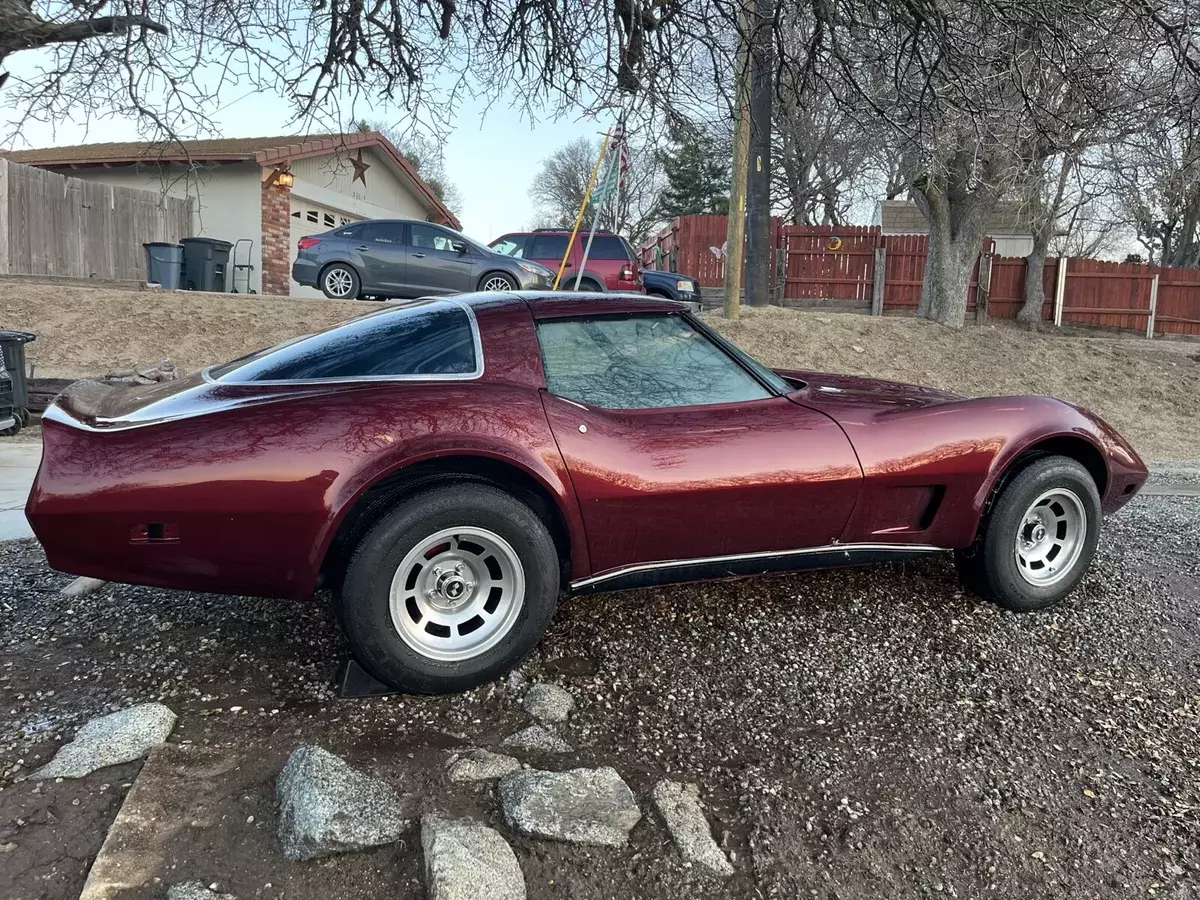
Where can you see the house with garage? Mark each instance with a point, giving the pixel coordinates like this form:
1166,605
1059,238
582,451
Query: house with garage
267,192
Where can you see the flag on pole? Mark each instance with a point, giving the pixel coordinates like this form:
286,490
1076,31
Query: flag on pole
620,146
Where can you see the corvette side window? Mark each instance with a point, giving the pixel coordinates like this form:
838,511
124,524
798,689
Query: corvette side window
426,338
640,362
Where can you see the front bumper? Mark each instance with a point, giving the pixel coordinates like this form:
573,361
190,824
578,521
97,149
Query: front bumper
531,282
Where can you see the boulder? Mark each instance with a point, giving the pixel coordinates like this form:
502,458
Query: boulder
110,740
327,807
468,861
537,739
679,805
480,765
584,806
549,704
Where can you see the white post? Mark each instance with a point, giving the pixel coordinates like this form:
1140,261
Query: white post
4,223
1060,290
1153,307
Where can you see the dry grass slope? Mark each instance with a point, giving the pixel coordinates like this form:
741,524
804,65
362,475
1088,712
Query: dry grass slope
1148,390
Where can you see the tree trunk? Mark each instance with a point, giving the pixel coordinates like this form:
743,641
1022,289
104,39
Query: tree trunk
955,235
1030,315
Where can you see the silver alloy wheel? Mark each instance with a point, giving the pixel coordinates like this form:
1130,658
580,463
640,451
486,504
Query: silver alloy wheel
1051,537
457,593
497,283
339,282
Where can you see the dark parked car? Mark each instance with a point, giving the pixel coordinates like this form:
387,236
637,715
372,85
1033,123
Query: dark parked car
611,265
406,259
673,286
450,467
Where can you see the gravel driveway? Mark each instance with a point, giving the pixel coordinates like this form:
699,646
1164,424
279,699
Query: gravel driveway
871,733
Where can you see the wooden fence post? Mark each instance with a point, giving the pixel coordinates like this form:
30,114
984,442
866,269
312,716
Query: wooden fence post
1153,307
983,288
780,285
1060,290
4,247
877,285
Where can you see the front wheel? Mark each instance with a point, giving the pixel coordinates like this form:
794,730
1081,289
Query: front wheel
340,282
497,281
1039,538
450,590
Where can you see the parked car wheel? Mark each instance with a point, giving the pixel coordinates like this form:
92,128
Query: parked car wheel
497,281
450,590
586,285
1039,538
340,282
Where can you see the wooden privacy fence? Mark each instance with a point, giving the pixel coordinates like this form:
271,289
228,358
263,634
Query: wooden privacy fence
860,268
54,225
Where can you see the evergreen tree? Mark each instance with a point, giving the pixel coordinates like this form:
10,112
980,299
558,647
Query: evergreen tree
697,171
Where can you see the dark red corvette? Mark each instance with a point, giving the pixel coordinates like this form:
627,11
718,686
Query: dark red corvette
450,467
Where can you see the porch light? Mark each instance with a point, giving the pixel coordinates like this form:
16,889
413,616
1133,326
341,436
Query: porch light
286,179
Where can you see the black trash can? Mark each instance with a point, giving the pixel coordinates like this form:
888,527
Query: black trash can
205,261
12,346
164,264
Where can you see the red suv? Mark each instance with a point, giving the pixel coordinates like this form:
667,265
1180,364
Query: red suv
611,265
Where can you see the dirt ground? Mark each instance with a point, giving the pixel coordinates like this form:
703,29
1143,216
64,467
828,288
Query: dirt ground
1149,390
856,735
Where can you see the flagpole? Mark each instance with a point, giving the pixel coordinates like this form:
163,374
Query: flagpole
595,220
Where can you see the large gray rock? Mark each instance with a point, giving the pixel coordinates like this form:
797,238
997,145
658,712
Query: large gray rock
110,740
195,890
537,739
549,704
480,765
679,805
326,807
584,806
467,861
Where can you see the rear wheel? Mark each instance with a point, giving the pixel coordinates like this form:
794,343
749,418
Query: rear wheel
1039,538
340,282
450,590
586,285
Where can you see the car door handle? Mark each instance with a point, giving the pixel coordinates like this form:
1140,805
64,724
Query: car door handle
419,255
364,248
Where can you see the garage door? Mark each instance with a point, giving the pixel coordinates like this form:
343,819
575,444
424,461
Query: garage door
308,218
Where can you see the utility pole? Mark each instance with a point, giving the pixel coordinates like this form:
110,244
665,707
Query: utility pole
735,234
758,178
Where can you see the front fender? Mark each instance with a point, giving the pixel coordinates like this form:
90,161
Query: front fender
929,470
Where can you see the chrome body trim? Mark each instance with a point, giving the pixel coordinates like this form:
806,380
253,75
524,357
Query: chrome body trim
847,549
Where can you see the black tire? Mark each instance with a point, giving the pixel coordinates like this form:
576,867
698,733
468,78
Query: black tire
494,278
586,285
354,281
990,566
364,602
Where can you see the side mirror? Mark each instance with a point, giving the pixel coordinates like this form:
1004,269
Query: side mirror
460,246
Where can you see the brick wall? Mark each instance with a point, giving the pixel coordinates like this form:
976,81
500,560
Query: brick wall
276,239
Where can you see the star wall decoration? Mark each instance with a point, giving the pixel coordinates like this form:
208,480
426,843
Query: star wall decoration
360,168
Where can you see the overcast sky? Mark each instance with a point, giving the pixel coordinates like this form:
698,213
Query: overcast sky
491,154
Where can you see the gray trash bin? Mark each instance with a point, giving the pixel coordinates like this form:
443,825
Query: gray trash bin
205,261
164,264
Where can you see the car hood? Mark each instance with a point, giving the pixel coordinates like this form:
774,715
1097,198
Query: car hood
849,393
